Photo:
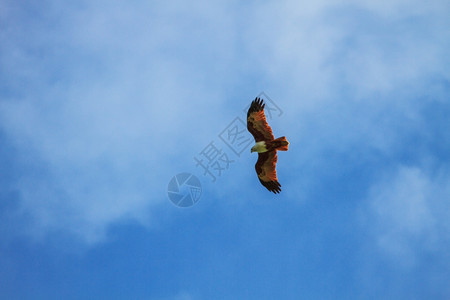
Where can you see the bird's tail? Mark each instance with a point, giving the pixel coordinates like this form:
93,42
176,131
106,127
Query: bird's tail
281,144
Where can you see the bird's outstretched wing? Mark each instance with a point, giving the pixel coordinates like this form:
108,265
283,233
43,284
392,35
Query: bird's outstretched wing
267,174
257,123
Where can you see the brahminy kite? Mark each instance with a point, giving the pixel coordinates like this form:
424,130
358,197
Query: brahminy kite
266,145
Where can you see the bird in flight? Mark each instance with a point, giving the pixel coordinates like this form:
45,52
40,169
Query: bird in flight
266,145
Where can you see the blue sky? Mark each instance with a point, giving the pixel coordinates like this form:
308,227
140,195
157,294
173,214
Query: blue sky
103,102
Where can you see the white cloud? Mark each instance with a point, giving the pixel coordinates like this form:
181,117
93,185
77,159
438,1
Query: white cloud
408,212
363,48
105,126
100,95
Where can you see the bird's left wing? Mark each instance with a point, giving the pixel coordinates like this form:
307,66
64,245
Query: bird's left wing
267,174
257,123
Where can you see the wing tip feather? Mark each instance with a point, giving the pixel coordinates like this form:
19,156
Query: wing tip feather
273,186
257,105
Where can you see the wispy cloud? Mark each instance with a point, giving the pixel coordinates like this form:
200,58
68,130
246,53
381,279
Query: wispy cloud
104,102
409,214
95,111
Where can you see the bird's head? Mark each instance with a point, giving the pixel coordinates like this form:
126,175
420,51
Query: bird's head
259,147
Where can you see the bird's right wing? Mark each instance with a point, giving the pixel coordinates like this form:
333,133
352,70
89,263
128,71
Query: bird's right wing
266,169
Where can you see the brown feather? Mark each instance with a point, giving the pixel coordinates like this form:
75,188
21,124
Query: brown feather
266,170
256,122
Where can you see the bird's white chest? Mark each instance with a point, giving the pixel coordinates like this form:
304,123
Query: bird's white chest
260,147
